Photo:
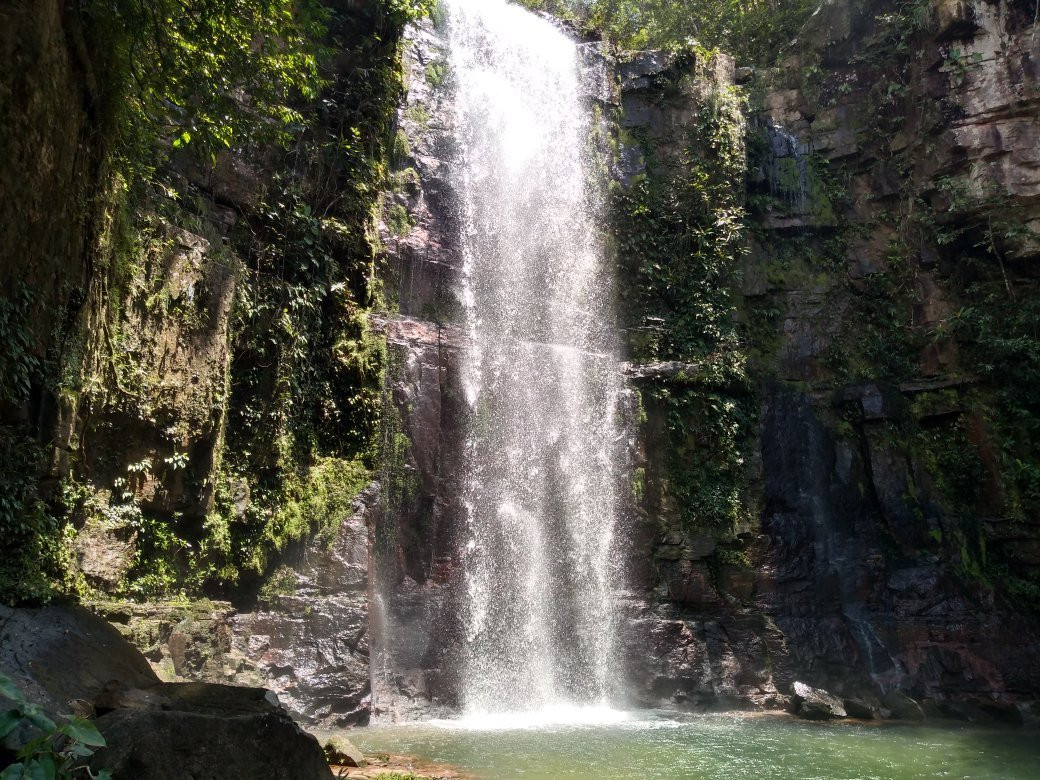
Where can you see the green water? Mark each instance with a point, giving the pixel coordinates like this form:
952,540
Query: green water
717,746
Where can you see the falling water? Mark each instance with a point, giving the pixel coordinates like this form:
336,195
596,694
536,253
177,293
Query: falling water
540,373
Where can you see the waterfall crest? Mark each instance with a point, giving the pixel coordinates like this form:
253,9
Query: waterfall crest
540,372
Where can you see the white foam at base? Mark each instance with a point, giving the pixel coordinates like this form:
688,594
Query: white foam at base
553,716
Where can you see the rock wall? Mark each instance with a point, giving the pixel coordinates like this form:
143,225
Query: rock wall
307,639
415,530
886,545
53,171
880,548
69,662
190,386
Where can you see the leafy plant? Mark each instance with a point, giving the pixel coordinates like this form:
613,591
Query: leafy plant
211,74
20,365
59,752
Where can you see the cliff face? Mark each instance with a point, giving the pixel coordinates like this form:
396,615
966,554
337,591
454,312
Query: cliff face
831,485
886,309
830,311
52,170
191,386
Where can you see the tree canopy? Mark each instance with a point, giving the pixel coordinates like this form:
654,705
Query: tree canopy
754,30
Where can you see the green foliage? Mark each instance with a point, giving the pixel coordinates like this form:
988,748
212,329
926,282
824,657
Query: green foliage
755,30
304,400
953,462
397,220
20,366
215,74
281,583
32,548
1001,339
35,540
54,751
680,234
301,411
318,502
436,72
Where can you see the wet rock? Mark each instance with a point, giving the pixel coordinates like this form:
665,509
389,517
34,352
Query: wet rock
743,74
875,402
638,71
229,178
699,546
862,709
1029,712
690,583
899,706
308,640
955,18
738,581
673,371
816,703
599,80
340,751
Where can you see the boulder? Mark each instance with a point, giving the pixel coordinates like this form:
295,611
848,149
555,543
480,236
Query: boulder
340,751
899,706
62,654
862,709
816,703
205,732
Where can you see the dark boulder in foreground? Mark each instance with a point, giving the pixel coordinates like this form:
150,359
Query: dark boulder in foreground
206,732
817,704
62,657
69,661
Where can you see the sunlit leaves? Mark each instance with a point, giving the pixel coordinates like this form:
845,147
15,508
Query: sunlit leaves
214,73
754,30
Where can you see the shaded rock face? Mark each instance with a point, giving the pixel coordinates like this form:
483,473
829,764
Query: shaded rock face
176,334
59,655
416,529
855,585
310,644
163,343
423,252
855,570
52,169
308,639
416,526
68,661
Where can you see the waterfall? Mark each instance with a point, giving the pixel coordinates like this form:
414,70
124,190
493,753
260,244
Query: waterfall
540,373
